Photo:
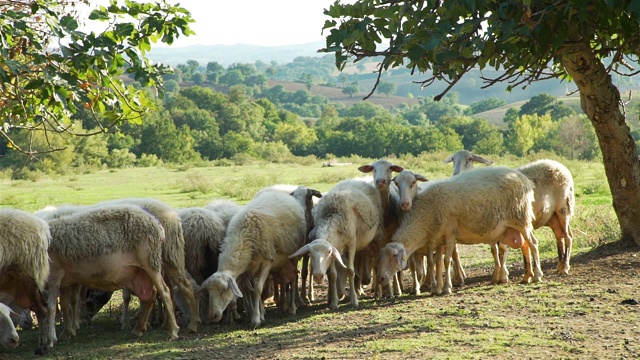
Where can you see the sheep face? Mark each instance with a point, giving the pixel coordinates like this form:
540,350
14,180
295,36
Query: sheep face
8,334
382,170
392,259
221,289
407,183
321,253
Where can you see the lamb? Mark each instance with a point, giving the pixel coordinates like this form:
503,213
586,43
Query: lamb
382,171
24,265
349,217
108,247
259,239
495,206
554,199
8,334
173,251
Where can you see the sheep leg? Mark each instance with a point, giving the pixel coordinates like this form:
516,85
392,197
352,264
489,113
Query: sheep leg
310,290
526,257
39,303
179,277
351,275
333,286
564,239
53,287
303,297
414,268
67,317
458,270
450,245
504,271
258,304
163,291
124,318
431,273
143,315
533,244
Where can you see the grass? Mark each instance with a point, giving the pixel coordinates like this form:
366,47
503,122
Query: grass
476,321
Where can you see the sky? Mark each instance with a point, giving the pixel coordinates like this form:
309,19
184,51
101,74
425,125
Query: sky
255,22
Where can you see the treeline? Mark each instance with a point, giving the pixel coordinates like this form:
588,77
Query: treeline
197,123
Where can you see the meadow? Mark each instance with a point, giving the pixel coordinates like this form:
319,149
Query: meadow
579,316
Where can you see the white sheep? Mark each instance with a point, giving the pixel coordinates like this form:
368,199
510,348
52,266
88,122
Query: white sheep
24,265
382,179
259,239
347,218
224,208
173,253
494,206
463,160
203,232
108,247
24,319
554,202
8,334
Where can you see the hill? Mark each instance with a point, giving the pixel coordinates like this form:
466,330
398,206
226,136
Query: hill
228,54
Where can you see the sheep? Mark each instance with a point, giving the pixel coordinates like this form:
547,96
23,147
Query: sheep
495,206
24,319
108,247
259,239
24,265
348,217
382,176
173,251
8,334
554,202
203,232
463,160
224,208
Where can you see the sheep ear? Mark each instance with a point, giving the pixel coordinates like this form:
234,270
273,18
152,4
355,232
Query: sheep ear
396,168
421,178
449,159
234,287
366,168
336,255
402,258
480,159
316,193
302,251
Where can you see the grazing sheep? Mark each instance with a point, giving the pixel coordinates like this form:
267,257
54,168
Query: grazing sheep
495,206
203,232
382,179
8,334
173,252
259,239
24,265
348,217
225,209
554,202
24,320
109,247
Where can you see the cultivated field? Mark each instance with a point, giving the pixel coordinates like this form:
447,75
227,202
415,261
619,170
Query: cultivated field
591,314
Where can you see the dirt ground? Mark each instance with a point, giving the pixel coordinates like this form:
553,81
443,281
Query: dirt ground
591,314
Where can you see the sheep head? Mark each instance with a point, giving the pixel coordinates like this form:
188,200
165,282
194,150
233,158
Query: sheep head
382,170
393,258
463,160
9,336
221,288
321,253
407,183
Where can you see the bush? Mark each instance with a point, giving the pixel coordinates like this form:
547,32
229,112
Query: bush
147,160
120,158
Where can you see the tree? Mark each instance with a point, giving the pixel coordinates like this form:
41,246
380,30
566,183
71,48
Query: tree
484,105
351,89
525,41
387,88
50,68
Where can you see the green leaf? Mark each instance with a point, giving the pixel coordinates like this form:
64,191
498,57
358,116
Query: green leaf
34,84
69,23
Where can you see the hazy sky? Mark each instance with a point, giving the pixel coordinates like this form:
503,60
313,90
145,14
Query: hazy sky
255,22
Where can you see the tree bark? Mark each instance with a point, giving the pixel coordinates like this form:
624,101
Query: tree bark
600,101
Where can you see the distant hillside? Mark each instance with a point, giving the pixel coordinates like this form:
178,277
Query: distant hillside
229,54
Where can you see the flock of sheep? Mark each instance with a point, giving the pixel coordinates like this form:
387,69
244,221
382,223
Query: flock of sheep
214,261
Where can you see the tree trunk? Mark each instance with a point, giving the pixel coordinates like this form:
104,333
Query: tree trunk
600,100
